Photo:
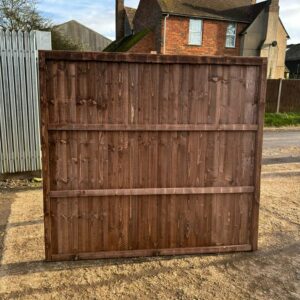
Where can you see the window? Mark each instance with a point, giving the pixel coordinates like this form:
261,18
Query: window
195,32
231,35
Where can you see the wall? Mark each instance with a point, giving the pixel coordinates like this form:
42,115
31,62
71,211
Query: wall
281,52
89,39
149,16
275,32
255,35
258,38
213,38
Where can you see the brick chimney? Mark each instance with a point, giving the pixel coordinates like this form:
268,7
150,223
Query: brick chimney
120,19
274,6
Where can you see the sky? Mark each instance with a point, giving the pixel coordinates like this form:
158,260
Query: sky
100,14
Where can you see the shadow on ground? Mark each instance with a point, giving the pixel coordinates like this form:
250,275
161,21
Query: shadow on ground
6,200
265,256
280,160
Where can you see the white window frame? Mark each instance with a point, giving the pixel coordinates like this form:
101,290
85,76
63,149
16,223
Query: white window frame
200,32
230,35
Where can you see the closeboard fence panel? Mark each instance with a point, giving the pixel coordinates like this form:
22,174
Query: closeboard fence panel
19,105
150,155
289,99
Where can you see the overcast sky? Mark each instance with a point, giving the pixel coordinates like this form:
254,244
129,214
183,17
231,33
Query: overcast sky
100,14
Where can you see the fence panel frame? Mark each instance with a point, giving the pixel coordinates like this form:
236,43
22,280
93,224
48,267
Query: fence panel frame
46,56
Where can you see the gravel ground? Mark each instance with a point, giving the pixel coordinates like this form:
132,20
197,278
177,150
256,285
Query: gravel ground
273,272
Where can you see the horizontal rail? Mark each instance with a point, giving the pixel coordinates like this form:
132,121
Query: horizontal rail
152,191
149,127
152,252
151,58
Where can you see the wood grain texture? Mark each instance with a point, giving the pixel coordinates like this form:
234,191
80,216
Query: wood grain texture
150,155
153,191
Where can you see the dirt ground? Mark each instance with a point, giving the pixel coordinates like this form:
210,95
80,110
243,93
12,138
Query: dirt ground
273,272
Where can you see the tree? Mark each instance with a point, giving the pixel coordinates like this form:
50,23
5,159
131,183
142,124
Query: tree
61,42
23,15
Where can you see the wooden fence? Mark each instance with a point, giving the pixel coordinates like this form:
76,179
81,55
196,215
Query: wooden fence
150,155
19,105
283,96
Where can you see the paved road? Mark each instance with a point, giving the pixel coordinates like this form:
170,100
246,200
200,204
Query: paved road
281,139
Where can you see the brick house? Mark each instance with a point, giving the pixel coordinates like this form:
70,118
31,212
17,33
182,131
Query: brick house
204,27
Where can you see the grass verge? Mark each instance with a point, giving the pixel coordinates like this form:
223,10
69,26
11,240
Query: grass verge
282,119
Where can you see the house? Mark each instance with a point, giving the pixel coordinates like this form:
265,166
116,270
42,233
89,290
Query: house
293,60
205,27
87,38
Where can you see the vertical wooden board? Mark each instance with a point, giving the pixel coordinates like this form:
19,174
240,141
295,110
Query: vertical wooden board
192,159
52,89
225,96
192,95
184,96
51,229
163,109
211,159
221,181
154,83
162,221
258,155
71,93
61,94
174,91
101,92
143,99
133,76
48,228
182,159
250,101
212,84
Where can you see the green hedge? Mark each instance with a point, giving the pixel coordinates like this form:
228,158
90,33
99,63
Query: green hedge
282,119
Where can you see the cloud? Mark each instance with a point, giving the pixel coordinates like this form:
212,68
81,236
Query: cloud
100,15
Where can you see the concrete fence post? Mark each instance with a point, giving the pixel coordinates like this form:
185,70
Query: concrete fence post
279,96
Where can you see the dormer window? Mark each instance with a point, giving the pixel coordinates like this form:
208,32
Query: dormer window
231,35
195,32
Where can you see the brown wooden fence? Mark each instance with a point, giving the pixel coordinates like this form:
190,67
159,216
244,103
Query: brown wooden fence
150,155
284,98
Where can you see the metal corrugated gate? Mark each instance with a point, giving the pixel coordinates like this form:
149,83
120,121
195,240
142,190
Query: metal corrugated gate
19,111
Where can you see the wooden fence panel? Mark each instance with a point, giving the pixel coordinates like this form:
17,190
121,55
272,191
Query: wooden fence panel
290,96
272,95
19,106
289,99
150,155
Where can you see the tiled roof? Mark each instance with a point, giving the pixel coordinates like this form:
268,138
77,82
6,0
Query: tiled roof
233,10
127,42
293,52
